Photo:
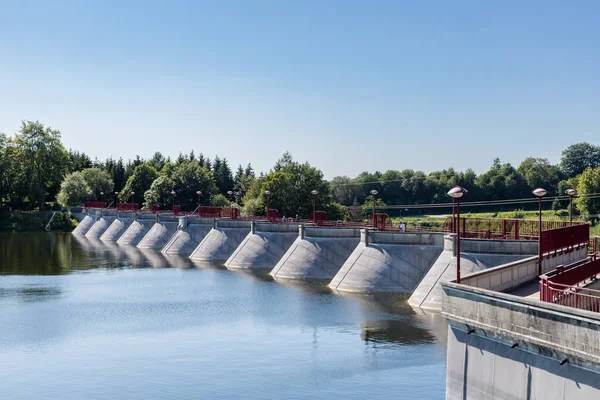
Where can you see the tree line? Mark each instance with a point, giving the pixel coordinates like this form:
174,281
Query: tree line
36,169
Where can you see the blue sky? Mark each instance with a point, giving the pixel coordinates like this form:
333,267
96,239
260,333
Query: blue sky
347,86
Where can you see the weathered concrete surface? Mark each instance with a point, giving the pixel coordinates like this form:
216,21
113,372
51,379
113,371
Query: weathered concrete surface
185,240
99,227
116,229
84,226
158,235
264,247
220,243
136,231
504,346
428,294
379,265
317,253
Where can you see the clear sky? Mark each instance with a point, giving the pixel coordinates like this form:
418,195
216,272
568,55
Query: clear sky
346,85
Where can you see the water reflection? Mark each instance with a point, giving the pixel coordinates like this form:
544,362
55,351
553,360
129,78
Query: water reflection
395,332
30,293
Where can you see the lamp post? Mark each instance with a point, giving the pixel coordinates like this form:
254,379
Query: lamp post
173,194
230,193
374,193
571,193
456,193
101,196
540,193
268,194
314,194
116,199
198,193
132,197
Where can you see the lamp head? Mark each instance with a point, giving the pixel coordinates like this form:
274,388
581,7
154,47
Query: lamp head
539,192
457,192
374,192
267,192
314,192
571,192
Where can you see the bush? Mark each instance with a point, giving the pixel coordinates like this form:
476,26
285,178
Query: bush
562,213
518,214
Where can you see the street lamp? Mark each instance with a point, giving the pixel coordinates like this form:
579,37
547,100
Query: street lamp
268,194
132,197
173,194
314,193
101,196
540,193
230,193
198,193
374,193
116,199
571,193
456,193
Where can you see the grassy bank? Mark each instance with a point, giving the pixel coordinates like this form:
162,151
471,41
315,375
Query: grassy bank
36,221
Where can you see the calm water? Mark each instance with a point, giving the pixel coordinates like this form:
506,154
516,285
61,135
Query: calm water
85,319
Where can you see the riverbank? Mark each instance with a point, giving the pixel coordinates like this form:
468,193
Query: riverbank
36,221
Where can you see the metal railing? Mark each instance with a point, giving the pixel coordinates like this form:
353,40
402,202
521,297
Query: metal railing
553,240
564,285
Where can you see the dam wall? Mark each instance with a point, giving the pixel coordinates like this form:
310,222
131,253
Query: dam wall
476,255
317,253
84,226
222,240
160,233
263,247
118,227
138,228
102,223
189,235
388,262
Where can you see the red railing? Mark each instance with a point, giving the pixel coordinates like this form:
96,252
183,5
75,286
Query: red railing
383,222
563,285
496,228
94,204
273,215
318,217
176,209
564,238
230,212
128,206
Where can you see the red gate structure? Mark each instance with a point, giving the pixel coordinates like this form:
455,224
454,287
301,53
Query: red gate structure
210,211
273,215
94,204
382,222
318,217
128,206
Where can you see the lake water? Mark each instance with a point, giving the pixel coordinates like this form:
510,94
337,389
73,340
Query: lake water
82,319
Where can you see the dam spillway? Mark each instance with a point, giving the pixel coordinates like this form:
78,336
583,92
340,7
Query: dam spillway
160,233
189,235
317,253
263,247
222,240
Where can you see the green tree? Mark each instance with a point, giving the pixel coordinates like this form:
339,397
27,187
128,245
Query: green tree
139,183
577,157
538,172
290,184
588,183
99,182
160,193
44,160
220,200
74,190
190,177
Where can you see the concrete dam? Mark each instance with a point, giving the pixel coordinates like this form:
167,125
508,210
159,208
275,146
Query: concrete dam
349,260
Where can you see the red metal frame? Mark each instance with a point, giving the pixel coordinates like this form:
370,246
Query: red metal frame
94,204
128,206
563,285
318,217
564,238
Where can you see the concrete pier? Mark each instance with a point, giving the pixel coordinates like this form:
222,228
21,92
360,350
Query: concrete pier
476,255
84,225
118,227
102,223
317,253
160,233
220,243
263,247
189,235
137,230
388,262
